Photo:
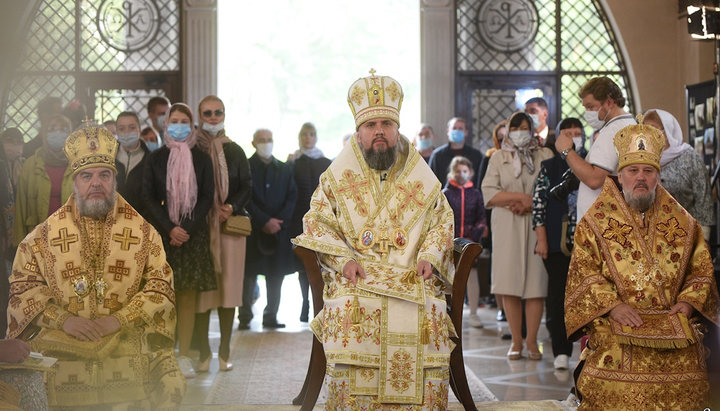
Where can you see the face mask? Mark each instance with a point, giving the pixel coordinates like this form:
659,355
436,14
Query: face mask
424,144
179,131
578,143
129,139
13,151
264,150
456,136
152,145
56,139
520,138
462,177
536,120
592,119
161,122
213,129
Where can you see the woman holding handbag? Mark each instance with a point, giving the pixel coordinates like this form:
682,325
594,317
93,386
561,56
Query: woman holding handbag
233,187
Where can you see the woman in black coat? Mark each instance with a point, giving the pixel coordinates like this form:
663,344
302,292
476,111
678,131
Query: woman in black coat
308,163
178,189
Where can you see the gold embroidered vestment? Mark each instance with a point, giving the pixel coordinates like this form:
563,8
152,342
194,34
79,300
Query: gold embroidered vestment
75,266
649,261
386,339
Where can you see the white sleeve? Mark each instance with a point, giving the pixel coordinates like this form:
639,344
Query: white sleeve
602,153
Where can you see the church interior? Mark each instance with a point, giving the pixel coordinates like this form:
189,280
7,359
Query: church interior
477,58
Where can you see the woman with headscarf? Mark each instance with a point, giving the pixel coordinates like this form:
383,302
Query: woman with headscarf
517,272
233,186
178,187
554,210
682,171
308,163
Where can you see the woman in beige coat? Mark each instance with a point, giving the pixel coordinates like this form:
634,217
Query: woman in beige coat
517,273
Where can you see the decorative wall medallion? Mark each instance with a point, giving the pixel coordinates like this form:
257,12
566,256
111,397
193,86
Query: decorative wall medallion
128,25
507,25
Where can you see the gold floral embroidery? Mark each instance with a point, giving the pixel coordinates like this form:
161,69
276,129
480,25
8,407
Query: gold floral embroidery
436,396
438,331
367,374
355,187
392,91
671,229
400,370
357,95
616,231
338,325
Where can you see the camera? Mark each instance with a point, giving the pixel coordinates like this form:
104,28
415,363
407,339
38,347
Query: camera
569,183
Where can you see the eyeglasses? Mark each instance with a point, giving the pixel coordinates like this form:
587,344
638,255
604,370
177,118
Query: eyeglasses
208,113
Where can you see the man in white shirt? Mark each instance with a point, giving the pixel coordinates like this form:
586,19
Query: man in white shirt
603,102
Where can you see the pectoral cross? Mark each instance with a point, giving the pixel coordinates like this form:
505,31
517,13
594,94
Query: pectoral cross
100,286
384,242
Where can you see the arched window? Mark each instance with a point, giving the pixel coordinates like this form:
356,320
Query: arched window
111,55
510,50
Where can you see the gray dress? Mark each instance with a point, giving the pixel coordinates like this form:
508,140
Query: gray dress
516,269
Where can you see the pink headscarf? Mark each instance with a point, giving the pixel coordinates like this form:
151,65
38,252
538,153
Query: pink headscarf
180,179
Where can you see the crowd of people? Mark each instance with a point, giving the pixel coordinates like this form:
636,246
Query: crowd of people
120,239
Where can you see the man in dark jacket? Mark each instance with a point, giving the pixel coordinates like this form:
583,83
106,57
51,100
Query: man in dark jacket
130,160
443,155
269,251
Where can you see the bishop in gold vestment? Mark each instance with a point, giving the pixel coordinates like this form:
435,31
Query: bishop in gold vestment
640,280
91,287
385,331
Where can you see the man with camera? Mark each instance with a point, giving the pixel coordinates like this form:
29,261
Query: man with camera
603,102
554,207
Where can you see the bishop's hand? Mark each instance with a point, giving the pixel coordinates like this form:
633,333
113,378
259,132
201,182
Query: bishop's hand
352,270
682,307
108,325
82,329
626,315
424,269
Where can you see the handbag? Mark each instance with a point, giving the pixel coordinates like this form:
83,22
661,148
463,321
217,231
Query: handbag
237,225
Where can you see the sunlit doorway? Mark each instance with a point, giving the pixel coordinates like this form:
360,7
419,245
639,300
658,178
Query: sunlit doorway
284,62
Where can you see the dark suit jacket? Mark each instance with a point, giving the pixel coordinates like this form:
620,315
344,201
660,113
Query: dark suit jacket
130,187
274,194
307,177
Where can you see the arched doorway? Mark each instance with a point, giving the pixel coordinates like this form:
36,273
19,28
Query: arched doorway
510,50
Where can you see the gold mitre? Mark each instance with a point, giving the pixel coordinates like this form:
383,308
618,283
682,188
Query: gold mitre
639,144
91,146
375,97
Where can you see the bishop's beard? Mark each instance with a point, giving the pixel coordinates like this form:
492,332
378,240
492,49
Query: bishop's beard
380,160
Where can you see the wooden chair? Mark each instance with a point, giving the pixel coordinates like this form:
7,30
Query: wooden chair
465,253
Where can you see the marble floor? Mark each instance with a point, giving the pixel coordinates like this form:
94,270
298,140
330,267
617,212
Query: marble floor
484,353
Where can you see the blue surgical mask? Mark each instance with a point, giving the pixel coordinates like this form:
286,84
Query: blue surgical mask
456,136
424,144
129,139
56,139
179,131
152,145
